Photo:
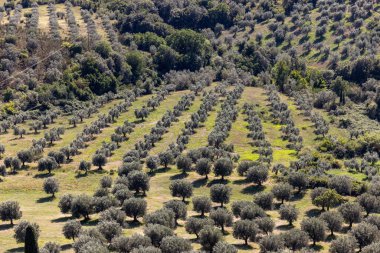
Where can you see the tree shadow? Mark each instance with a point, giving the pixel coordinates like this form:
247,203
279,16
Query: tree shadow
319,39
199,182
19,249
25,167
178,176
316,247
132,224
44,175
345,229
240,181
253,189
330,238
306,53
313,212
138,121
297,196
5,227
161,170
90,222
45,199
67,246
80,175
242,246
98,171
304,39
277,205
61,219
284,227
217,181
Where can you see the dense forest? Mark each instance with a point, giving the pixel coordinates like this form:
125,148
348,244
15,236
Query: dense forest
168,126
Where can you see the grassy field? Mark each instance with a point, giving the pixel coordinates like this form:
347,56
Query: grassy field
26,186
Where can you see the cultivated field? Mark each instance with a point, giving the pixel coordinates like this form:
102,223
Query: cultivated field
36,206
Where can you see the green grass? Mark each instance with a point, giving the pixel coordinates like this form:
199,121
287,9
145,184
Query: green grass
176,128
355,175
199,139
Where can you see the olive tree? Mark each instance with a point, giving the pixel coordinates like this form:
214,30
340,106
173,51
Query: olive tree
295,239
344,244
221,217
135,207
351,212
181,188
333,221
365,234
223,167
245,230
220,193
51,186
202,204
209,236
10,210
195,225
72,229
315,228
288,212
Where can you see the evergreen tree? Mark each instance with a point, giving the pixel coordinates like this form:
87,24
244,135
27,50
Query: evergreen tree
31,244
